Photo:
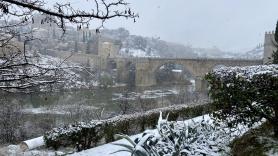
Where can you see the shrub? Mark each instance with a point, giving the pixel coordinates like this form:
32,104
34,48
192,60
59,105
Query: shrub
198,136
245,94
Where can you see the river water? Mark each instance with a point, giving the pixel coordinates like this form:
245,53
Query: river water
36,113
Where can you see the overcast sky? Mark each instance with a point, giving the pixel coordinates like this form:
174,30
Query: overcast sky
228,24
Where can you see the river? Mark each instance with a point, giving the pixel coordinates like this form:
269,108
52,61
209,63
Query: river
33,114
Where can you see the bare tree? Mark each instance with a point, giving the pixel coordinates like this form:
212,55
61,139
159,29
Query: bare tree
124,104
17,70
63,13
10,121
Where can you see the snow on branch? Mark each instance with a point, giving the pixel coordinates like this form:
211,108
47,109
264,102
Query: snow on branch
66,12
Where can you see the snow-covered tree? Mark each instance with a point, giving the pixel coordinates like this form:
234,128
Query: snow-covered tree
75,46
245,94
16,15
275,53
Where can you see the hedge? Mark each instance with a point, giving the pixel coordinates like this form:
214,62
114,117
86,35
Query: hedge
245,94
83,135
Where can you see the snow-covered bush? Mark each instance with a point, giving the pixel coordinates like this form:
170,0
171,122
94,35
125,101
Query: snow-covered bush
199,136
245,94
84,135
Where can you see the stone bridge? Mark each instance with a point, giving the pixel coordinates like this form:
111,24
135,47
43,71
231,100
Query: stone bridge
145,68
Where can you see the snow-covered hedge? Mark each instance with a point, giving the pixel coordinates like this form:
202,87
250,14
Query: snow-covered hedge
245,94
86,135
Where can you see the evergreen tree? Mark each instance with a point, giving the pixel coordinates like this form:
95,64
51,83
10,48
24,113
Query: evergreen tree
75,47
84,38
276,32
90,34
275,53
275,57
88,48
54,33
96,45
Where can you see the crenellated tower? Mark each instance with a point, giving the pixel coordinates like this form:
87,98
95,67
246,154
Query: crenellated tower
270,45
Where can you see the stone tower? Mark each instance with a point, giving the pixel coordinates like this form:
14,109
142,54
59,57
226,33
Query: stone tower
270,45
108,49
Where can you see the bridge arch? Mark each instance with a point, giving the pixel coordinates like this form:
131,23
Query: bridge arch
111,65
171,72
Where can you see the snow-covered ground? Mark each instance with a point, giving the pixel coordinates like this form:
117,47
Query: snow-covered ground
136,53
43,110
147,94
59,110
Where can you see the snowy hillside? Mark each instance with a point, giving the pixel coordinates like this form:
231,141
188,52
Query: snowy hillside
256,53
126,52
138,46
